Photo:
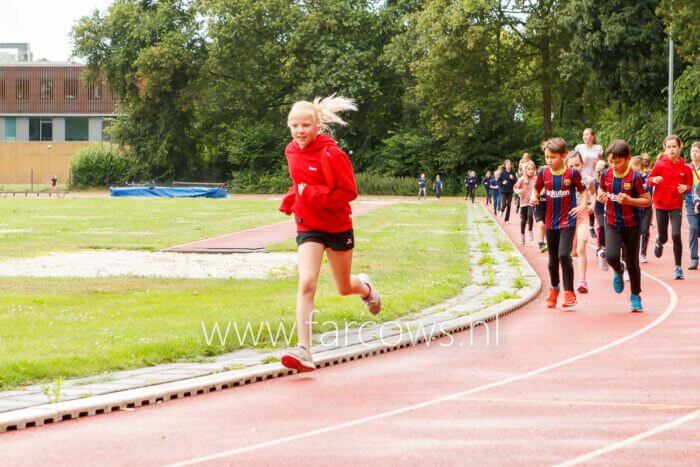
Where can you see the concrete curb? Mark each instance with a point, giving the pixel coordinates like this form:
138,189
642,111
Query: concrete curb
43,414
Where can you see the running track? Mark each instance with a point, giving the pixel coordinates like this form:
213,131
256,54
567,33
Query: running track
598,385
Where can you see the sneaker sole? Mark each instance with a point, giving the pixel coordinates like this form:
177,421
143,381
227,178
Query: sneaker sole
294,363
636,311
568,305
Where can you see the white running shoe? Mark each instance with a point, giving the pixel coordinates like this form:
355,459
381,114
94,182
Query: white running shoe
372,301
298,358
643,259
602,263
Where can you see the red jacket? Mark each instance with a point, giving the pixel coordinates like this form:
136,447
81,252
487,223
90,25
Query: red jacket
320,206
666,195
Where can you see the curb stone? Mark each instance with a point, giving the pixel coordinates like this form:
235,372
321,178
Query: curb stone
148,386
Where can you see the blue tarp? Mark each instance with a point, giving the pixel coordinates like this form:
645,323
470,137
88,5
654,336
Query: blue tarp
169,192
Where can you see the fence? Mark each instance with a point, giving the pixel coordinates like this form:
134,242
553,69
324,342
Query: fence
37,162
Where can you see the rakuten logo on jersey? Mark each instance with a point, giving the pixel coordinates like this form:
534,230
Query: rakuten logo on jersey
554,194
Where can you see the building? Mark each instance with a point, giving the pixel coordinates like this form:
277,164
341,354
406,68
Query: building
47,112
48,101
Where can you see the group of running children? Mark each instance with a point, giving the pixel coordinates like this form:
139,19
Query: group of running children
565,199
557,197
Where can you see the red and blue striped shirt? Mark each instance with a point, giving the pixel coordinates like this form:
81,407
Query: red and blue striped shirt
560,191
622,215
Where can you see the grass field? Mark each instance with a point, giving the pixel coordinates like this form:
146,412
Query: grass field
74,327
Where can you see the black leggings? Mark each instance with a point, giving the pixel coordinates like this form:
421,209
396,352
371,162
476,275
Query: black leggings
600,216
506,200
471,191
526,213
646,223
559,244
662,218
624,241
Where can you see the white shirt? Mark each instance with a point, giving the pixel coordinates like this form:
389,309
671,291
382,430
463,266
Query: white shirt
590,157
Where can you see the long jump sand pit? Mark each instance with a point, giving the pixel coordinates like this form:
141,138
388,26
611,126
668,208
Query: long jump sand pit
111,263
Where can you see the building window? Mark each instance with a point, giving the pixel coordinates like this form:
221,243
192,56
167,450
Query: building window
77,129
10,129
70,88
22,89
46,89
40,129
95,91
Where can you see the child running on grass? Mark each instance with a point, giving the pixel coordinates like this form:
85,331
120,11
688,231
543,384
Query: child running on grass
437,186
575,161
422,181
641,165
622,191
323,184
560,184
671,179
524,188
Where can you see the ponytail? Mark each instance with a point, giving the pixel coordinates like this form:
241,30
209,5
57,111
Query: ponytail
324,111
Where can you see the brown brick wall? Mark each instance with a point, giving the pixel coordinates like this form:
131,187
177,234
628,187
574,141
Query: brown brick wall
51,90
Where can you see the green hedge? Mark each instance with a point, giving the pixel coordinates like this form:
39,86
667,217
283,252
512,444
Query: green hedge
367,183
100,166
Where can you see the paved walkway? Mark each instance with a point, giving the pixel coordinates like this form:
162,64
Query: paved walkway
260,237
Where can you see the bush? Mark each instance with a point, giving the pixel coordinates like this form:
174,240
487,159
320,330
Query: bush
100,166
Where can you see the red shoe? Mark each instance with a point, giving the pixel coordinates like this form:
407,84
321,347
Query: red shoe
569,298
582,286
552,298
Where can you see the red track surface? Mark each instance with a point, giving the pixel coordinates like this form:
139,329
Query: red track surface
558,385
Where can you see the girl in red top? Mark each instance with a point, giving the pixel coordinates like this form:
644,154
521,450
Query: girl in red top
671,179
323,184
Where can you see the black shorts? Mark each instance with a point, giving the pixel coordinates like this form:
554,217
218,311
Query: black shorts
541,210
341,241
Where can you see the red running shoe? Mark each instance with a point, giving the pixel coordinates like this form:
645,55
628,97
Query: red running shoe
552,298
569,298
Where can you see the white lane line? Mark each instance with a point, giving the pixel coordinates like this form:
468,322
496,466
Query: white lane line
360,421
631,440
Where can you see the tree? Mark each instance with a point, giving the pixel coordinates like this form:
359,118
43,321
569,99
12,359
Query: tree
151,54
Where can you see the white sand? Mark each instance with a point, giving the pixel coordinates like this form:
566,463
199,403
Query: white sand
151,264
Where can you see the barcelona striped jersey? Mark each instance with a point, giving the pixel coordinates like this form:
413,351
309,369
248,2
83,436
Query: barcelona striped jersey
560,191
631,183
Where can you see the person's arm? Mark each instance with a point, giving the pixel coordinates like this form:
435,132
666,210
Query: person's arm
345,189
518,187
684,188
288,200
537,189
654,177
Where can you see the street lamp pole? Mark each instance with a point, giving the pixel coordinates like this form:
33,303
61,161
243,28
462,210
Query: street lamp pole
670,76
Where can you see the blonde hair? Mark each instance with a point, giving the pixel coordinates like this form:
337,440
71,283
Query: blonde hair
324,111
637,161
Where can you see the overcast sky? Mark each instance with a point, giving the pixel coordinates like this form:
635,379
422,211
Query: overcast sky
45,24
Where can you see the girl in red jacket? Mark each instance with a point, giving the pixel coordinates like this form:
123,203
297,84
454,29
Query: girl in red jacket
671,179
323,184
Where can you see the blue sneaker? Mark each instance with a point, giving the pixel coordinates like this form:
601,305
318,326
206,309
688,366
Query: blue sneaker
678,273
636,303
619,279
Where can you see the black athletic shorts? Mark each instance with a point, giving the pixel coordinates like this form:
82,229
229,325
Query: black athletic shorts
541,210
341,241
